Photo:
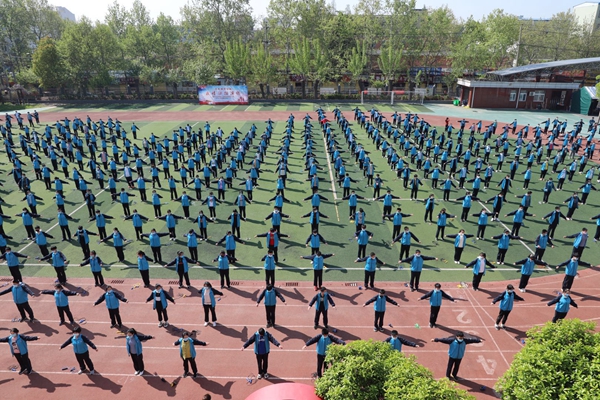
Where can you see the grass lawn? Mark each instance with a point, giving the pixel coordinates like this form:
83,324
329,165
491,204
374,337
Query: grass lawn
337,230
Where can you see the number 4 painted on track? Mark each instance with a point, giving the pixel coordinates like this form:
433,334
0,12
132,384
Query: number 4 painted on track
489,365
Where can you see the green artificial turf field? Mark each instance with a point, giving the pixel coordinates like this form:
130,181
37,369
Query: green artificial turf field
337,230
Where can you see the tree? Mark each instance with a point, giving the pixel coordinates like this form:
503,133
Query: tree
43,19
262,67
319,66
301,61
15,35
468,53
357,63
237,60
212,24
167,37
501,36
48,64
366,370
558,361
390,61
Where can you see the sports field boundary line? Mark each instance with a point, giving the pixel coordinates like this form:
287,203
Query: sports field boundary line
335,198
489,331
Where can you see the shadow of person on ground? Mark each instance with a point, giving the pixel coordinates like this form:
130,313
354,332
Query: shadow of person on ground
103,383
161,384
242,335
215,387
40,382
289,334
247,295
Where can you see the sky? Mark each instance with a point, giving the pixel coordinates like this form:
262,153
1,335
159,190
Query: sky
96,9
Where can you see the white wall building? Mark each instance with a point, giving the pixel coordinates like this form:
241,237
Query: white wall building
588,14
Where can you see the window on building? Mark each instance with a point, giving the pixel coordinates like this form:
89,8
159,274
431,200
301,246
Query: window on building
523,96
513,95
538,96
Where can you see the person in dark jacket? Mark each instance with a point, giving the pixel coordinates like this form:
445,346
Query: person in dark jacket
159,298
506,300
435,301
322,300
261,341
134,349
323,341
379,307
187,352
181,263
456,352
18,349
270,295
80,347
112,299
62,302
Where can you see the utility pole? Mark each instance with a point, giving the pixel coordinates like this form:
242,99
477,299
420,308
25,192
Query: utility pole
266,44
516,63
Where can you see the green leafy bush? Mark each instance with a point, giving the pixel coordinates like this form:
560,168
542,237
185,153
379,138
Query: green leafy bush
559,361
369,370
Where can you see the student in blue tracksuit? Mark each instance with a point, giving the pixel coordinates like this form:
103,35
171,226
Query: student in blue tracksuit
101,223
133,344
506,300
96,268
456,352
371,263
18,349
80,347
322,300
380,305
62,302
112,299
527,266
144,267
261,341
118,243
20,293
396,341
187,352
323,341
270,295
159,298
579,243
12,260
404,239
209,303
416,266
435,301
503,243
58,262
317,263
230,239
138,221
269,266
571,266
563,302
479,265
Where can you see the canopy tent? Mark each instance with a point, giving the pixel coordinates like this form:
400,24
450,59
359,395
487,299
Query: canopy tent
584,101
